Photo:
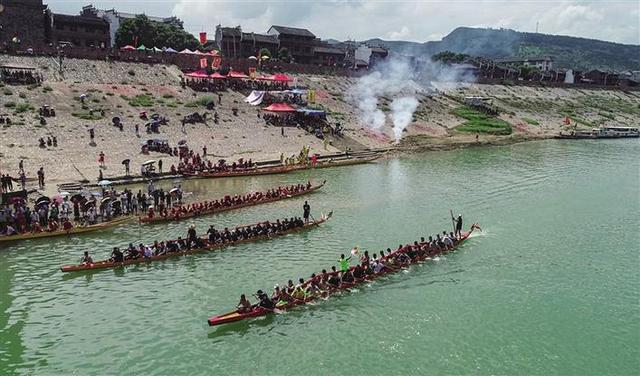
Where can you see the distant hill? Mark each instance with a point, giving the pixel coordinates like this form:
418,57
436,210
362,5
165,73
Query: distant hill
568,52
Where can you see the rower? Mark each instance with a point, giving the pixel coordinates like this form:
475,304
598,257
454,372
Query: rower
264,300
243,306
116,255
459,226
86,259
344,263
347,277
298,291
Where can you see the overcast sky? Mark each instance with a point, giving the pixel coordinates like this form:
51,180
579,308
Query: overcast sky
617,21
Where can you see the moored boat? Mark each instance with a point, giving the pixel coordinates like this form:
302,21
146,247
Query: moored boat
602,132
258,311
282,169
106,264
73,231
192,214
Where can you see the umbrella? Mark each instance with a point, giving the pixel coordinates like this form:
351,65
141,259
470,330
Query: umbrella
170,50
174,190
43,200
182,142
252,58
58,199
64,194
77,197
104,183
128,48
264,57
89,204
105,200
126,161
150,161
16,200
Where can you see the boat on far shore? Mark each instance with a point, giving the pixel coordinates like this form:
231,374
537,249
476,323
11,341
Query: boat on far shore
602,132
282,169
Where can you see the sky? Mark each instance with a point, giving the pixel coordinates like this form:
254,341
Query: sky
420,21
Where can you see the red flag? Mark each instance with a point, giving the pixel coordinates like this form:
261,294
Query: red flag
203,38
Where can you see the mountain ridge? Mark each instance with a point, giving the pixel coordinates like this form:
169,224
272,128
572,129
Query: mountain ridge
568,52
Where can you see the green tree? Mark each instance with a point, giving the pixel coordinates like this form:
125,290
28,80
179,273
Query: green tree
284,55
265,52
449,57
154,34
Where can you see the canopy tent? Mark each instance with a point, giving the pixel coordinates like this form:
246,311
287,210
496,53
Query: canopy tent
281,77
295,91
265,78
198,74
186,51
234,74
170,50
255,98
128,47
217,76
312,112
141,48
197,52
156,49
279,107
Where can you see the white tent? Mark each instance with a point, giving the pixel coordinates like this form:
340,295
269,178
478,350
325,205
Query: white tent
255,98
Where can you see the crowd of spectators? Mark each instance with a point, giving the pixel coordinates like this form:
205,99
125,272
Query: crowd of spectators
14,76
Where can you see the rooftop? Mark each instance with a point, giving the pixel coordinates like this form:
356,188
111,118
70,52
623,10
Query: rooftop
292,31
517,59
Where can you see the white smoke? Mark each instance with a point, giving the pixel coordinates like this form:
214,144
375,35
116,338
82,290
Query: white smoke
402,110
400,79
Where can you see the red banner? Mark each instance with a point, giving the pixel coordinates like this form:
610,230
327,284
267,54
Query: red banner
217,60
203,62
203,38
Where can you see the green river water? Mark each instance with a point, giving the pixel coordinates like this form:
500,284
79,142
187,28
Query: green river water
551,286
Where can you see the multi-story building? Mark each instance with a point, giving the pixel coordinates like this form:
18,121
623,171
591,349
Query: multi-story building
80,31
23,21
299,42
543,63
234,43
115,18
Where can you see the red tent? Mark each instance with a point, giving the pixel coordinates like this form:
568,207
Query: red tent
128,47
198,74
281,77
234,74
217,76
265,78
279,107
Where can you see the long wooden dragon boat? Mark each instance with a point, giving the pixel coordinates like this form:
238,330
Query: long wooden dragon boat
106,264
281,169
258,311
192,214
73,231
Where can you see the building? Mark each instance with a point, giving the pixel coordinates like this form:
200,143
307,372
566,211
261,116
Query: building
80,31
252,43
543,63
326,54
228,40
299,42
23,21
115,18
367,57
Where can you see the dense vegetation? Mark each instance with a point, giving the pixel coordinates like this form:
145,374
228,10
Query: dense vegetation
154,34
568,52
477,122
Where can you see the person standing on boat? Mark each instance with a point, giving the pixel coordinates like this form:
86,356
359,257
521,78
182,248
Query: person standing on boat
306,211
459,226
344,263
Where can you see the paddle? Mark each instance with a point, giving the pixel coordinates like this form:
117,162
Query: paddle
453,221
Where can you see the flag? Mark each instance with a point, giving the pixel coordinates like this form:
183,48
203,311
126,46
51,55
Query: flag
203,62
355,251
203,38
252,73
